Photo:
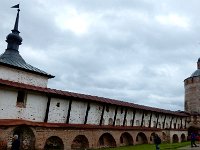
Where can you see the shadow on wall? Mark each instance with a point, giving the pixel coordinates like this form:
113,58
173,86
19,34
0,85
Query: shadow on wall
80,142
106,140
54,143
126,139
141,138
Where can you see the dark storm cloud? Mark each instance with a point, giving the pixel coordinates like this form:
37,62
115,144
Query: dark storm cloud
133,50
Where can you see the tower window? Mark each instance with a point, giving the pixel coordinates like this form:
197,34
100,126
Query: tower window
21,98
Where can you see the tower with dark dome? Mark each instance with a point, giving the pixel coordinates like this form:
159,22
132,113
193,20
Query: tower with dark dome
192,95
14,68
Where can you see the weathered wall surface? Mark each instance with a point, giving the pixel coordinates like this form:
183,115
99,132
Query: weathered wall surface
35,106
58,110
34,110
11,74
92,137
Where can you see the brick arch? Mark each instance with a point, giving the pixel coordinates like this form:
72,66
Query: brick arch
26,136
80,142
183,137
126,139
106,140
175,138
141,138
54,143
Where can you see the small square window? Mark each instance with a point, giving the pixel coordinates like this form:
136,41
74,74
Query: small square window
58,104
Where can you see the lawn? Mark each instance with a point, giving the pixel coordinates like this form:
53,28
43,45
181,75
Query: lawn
166,146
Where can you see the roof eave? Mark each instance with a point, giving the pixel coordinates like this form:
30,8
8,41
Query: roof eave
26,70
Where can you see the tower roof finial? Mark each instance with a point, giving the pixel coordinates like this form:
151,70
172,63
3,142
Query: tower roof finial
15,30
13,39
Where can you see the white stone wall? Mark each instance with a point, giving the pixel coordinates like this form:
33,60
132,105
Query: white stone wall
153,120
15,75
78,112
138,118
161,121
129,117
94,114
109,114
120,116
8,108
58,110
146,119
34,109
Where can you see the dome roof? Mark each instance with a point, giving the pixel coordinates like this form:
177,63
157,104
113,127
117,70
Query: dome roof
196,73
14,37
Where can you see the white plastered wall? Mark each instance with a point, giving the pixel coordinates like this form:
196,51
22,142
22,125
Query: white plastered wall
78,112
58,110
34,109
16,75
138,116
129,117
146,119
94,115
109,114
120,116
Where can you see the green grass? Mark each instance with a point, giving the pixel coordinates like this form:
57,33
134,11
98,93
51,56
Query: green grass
165,146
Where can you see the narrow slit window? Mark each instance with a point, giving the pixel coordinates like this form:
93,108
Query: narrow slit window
21,97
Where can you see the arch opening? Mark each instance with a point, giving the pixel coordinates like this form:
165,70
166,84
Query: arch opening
80,142
54,143
175,138
106,140
126,139
26,137
141,138
183,137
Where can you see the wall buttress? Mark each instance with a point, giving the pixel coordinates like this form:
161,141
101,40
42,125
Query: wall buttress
150,120
47,109
87,111
69,111
125,117
102,114
142,118
164,122
115,115
134,111
157,120
171,123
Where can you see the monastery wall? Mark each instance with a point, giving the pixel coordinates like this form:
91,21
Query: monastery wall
34,108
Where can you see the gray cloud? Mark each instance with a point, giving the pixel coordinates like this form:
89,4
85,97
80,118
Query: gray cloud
133,50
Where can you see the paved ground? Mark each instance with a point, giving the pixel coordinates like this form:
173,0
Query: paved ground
190,148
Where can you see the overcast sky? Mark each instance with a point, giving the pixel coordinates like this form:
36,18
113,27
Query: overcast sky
138,51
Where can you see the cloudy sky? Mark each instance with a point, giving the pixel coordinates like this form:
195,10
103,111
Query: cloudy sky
138,51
